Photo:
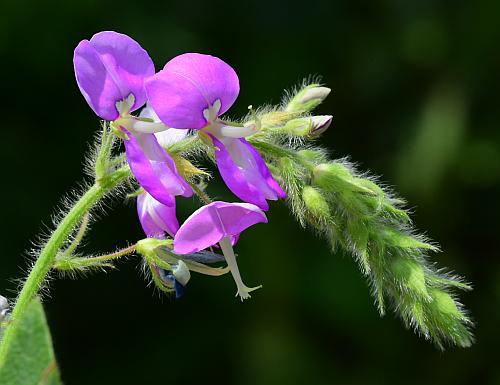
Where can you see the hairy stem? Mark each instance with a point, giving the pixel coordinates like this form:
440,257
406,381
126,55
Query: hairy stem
48,254
79,235
111,256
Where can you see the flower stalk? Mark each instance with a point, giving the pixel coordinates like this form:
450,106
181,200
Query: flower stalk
59,237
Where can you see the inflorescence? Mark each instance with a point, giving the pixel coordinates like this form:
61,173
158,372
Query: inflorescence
171,120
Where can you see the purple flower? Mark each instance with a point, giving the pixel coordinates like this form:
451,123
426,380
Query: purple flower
192,91
110,70
156,218
154,169
219,222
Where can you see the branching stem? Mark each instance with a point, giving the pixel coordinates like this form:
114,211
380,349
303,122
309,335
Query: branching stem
79,236
48,254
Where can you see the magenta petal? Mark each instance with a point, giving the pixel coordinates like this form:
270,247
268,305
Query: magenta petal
265,173
156,218
189,84
154,169
109,68
210,223
245,172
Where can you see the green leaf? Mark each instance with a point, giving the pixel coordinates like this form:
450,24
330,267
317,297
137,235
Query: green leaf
31,360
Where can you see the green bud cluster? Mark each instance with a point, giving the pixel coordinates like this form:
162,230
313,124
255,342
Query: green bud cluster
368,221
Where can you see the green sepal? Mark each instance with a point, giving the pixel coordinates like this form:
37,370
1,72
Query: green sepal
405,241
410,275
316,203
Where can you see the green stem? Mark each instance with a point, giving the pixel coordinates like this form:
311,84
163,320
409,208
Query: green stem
48,254
277,151
102,160
111,256
79,236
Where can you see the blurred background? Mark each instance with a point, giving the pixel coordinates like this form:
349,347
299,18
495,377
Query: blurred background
415,99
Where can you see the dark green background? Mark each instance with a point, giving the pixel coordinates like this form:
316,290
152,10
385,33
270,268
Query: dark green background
415,99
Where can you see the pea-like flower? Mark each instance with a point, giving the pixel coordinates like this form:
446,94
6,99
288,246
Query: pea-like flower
157,218
110,70
191,92
222,223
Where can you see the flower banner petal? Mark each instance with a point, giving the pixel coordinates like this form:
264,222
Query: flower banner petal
189,84
109,68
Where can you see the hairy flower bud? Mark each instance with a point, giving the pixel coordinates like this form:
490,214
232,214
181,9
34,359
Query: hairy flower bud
337,177
308,98
324,173
443,303
315,202
410,275
309,126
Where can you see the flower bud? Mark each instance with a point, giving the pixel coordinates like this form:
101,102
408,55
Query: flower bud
313,156
321,123
443,303
410,275
337,177
309,126
326,173
308,98
315,202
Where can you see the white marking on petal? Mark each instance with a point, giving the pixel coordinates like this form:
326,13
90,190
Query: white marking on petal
217,105
124,106
212,113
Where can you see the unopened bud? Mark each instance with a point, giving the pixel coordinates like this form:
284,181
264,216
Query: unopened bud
320,124
373,187
444,303
312,155
337,177
309,126
315,202
326,173
308,98
411,275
